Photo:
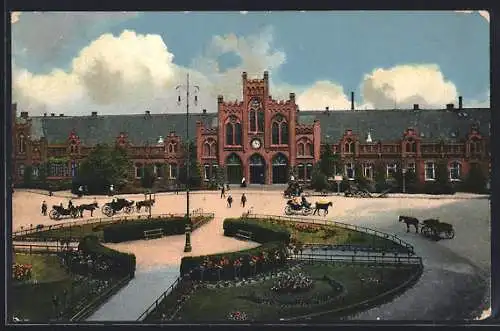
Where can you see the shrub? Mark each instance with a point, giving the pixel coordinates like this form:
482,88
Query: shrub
475,181
262,232
438,188
318,179
134,230
122,263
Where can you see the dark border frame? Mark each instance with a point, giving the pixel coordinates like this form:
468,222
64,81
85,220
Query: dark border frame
149,5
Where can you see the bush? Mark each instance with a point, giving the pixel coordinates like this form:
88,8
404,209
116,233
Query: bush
122,263
318,179
262,232
148,177
438,188
475,182
134,230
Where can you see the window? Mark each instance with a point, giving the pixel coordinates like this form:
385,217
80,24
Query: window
35,172
391,170
159,170
58,170
368,170
301,149
301,172
21,144
172,147
138,170
411,147
206,173
410,167
349,147
233,131
430,171
475,147
173,171
206,149
20,170
256,116
455,171
309,149
349,170
279,131
309,168
304,149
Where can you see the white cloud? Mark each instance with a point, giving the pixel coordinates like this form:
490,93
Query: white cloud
14,16
484,13
131,72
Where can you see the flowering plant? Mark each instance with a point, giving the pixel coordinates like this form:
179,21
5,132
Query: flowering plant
237,316
21,272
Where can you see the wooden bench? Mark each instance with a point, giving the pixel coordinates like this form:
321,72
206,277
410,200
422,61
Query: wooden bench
152,234
243,234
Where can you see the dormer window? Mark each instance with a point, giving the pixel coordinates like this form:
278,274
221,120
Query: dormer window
172,147
411,146
349,147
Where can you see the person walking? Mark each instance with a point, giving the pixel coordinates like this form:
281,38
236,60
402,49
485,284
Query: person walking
243,200
111,190
80,191
44,208
243,182
223,192
70,204
229,200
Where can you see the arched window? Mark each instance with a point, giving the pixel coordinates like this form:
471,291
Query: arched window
233,131
309,149
172,171
138,170
309,170
349,147
172,147
256,116
301,149
20,170
206,149
21,141
475,146
279,131
455,171
301,171
411,146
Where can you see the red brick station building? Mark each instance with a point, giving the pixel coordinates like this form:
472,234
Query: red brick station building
261,139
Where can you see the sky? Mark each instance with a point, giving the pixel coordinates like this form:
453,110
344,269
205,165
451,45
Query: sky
129,62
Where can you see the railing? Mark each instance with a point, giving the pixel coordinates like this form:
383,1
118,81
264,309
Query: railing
47,247
155,304
358,258
101,220
94,304
352,227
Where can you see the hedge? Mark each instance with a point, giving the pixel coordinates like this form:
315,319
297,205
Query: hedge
262,232
122,263
134,230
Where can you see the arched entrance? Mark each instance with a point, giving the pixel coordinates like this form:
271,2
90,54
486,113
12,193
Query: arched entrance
234,169
257,166
280,169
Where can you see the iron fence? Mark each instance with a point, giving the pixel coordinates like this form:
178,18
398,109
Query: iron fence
377,259
54,247
162,297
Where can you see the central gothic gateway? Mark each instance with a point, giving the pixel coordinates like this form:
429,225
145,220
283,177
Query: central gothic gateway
258,138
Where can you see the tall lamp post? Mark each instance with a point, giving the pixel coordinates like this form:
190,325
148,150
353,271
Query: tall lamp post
179,88
404,180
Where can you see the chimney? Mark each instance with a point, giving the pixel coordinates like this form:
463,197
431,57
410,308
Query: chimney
24,114
450,106
327,108
44,114
52,114
266,75
94,113
292,97
416,106
61,115
220,99
352,100
148,112
244,75
204,111
460,103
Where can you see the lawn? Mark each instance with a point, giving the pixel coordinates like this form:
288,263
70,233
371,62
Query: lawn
34,300
359,283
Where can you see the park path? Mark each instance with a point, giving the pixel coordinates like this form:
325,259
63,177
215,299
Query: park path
133,299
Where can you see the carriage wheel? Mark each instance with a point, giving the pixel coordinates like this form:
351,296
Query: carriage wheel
288,210
106,210
426,231
307,211
450,234
129,209
53,215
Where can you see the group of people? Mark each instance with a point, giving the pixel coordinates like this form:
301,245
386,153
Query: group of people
302,202
224,189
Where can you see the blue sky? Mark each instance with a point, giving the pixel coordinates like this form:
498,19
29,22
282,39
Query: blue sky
321,56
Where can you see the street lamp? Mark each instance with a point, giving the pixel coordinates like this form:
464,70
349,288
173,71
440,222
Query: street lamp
187,246
147,197
404,180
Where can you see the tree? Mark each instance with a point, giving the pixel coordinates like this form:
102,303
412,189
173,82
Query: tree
327,161
28,176
475,181
318,179
195,172
380,176
360,178
104,166
148,177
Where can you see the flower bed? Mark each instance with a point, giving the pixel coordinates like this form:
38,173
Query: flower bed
237,316
21,272
292,282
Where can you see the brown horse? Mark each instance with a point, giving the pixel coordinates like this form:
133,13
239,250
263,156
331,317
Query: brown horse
409,220
322,206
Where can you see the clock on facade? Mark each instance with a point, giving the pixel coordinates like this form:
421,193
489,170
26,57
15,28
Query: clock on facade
256,143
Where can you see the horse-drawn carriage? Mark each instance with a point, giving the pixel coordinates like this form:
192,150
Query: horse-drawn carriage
296,208
147,204
293,190
431,228
58,212
116,205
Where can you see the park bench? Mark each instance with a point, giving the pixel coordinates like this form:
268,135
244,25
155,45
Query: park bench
152,234
243,234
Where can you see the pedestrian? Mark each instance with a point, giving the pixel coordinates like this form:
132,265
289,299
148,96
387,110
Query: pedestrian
177,188
111,190
44,208
243,182
70,204
229,200
243,200
223,192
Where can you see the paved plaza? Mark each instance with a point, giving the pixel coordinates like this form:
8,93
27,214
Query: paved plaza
454,270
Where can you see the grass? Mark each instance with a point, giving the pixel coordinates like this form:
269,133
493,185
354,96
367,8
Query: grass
33,301
215,304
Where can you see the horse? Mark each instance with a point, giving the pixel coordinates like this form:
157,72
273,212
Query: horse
91,207
322,206
409,220
147,204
